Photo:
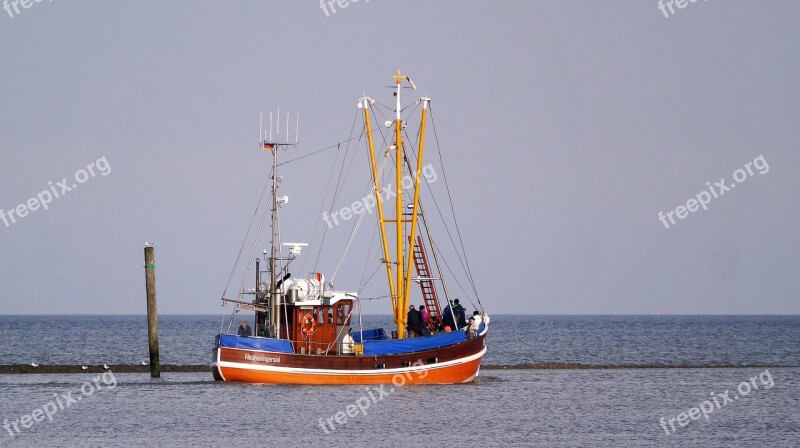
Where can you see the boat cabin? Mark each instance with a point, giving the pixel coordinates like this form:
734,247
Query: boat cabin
313,319
318,327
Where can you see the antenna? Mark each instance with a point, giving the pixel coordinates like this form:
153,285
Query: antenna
297,128
288,138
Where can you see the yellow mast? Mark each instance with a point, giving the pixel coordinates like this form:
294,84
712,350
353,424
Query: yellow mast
365,103
401,316
400,286
417,177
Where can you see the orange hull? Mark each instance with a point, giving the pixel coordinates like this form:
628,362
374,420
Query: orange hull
458,373
459,363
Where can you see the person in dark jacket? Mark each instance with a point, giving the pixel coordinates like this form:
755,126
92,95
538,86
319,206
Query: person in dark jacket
414,321
437,324
448,320
459,312
244,329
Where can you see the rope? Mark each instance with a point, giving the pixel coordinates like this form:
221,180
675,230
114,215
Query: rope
255,245
336,145
450,237
321,209
364,285
342,114
238,257
355,227
336,190
460,286
369,256
249,227
452,208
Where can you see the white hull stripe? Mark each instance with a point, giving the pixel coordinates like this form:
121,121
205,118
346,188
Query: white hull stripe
217,363
412,369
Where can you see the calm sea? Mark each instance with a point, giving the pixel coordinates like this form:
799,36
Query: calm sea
570,408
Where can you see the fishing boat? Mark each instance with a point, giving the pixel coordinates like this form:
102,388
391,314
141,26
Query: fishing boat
305,331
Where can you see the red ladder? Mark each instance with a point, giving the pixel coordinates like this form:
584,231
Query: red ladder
426,282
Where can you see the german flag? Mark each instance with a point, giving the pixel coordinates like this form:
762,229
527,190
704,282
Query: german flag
268,146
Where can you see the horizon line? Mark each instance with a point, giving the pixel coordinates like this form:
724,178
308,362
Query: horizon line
389,314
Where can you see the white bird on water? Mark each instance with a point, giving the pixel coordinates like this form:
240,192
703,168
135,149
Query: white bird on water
33,364
144,363
105,366
84,367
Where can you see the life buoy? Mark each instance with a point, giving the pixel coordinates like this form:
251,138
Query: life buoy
308,325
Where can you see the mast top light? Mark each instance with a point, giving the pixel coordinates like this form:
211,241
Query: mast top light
399,77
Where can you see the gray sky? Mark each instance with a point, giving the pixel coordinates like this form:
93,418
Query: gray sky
565,126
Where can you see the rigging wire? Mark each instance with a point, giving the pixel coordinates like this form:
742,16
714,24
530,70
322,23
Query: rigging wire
349,109
356,226
452,208
455,278
336,145
447,230
286,268
322,136
442,217
244,241
364,285
374,298
369,256
255,244
337,189
321,209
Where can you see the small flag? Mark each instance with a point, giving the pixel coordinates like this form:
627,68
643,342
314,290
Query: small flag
268,146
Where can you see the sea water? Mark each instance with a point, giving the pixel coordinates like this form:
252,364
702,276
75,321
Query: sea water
504,407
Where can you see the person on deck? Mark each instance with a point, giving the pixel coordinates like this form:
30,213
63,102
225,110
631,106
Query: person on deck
437,324
448,320
244,329
347,343
459,313
474,325
426,319
414,321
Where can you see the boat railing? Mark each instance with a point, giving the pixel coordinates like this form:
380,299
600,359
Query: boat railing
323,348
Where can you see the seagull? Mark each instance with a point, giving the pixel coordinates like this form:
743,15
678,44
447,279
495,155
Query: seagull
148,244
144,363
105,366
33,364
84,367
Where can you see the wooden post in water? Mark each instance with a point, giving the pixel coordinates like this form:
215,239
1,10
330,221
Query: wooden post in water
152,313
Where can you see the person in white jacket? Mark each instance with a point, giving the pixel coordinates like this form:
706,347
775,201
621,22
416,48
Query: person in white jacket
475,323
347,343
